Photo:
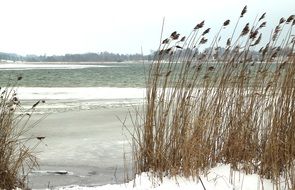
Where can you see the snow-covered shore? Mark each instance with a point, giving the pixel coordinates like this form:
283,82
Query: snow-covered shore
218,178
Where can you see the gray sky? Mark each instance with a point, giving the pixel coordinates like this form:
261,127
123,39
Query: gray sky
119,26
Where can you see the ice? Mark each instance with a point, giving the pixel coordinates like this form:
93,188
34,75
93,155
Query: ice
85,98
23,66
79,93
88,144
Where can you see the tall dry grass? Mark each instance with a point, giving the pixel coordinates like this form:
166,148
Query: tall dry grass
221,103
16,157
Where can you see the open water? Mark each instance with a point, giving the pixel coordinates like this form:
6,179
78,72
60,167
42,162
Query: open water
78,75
68,86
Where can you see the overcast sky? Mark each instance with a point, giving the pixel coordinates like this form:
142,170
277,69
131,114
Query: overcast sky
119,26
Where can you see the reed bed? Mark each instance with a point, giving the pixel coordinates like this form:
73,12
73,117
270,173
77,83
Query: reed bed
17,158
212,103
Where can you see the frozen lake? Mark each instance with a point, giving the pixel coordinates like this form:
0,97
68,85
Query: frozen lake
88,144
83,135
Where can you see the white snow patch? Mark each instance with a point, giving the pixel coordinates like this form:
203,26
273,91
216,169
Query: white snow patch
21,66
218,178
79,93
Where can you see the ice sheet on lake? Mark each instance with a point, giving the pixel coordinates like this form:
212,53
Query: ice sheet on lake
81,93
22,66
85,98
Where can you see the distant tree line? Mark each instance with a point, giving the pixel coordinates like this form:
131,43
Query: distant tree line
112,57
86,57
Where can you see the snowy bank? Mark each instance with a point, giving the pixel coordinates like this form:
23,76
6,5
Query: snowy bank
218,178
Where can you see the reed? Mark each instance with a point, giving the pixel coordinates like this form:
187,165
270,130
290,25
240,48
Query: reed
215,103
16,157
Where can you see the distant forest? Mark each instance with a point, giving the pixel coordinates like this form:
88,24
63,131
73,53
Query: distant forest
86,57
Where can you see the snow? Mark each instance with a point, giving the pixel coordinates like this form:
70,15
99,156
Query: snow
22,66
218,178
60,99
79,93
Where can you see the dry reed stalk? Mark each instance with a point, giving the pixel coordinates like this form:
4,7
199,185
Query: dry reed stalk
17,159
203,109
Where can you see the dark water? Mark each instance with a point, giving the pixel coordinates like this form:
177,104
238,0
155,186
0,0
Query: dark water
108,75
131,75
